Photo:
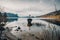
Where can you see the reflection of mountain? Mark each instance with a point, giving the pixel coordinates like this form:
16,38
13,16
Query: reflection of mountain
52,21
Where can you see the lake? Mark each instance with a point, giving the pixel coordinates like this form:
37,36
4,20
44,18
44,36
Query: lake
19,27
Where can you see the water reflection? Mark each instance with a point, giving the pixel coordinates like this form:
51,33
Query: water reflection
19,27
11,20
40,30
54,21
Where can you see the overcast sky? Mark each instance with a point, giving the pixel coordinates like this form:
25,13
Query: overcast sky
26,7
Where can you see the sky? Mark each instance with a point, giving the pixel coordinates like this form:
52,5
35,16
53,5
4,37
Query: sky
32,7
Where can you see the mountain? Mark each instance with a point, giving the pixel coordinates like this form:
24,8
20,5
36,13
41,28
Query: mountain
8,16
11,15
51,13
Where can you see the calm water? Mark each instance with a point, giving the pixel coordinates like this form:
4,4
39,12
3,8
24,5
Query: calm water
22,23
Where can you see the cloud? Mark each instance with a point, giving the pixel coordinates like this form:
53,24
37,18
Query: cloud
26,7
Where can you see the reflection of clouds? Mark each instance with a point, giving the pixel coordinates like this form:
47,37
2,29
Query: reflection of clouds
11,25
22,23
